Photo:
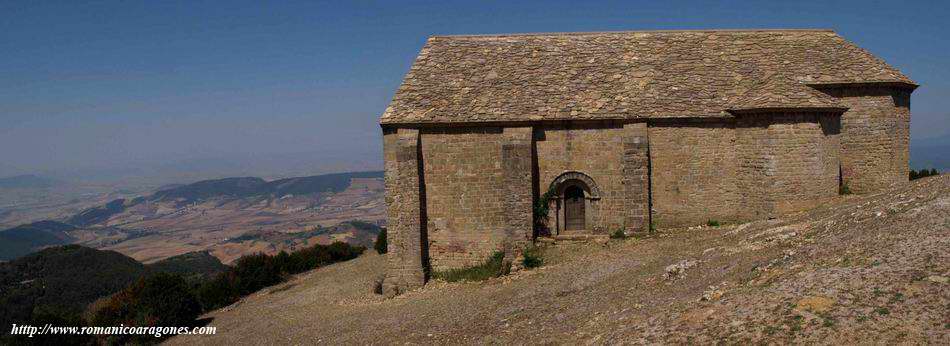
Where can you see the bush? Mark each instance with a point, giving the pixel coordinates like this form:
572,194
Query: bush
923,173
382,243
160,300
540,212
532,257
254,272
844,189
494,267
712,223
618,234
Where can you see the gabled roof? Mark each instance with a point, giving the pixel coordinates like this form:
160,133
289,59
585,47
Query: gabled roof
627,75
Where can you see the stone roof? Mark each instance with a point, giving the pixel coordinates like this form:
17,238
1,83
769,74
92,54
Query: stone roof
781,92
627,75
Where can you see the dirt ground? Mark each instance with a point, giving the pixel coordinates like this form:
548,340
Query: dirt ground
864,269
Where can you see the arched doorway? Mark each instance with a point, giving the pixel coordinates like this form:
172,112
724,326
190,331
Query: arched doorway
573,203
574,213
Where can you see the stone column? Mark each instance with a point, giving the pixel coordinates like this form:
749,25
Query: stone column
516,175
405,210
636,178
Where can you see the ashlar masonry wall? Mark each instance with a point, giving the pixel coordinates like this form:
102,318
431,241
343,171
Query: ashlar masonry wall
693,172
456,195
875,135
405,211
786,162
478,193
594,149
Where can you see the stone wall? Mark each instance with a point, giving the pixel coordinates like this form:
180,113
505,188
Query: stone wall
786,162
693,172
594,149
456,195
635,177
875,134
405,212
478,190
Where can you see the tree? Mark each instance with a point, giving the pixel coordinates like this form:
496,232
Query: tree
382,243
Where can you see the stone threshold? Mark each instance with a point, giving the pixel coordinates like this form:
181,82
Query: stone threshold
575,238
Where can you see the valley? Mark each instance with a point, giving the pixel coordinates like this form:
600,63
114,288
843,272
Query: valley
232,217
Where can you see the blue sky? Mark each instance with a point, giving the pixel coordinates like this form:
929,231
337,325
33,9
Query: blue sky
111,84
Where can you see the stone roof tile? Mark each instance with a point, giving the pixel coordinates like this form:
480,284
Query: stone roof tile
626,75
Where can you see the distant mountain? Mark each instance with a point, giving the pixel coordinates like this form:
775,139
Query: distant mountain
28,181
251,187
62,279
316,184
232,187
931,153
98,214
244,187
200,263
24,239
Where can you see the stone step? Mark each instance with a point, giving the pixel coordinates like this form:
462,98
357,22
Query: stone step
575,238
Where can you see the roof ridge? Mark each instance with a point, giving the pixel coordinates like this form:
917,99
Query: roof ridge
583,33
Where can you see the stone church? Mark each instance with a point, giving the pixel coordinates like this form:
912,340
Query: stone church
624,130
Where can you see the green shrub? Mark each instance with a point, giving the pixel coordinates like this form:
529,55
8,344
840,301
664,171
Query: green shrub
844,189
923,173
382,244
160,300
712,223
532,257
254,272
618,234
541,210
494,267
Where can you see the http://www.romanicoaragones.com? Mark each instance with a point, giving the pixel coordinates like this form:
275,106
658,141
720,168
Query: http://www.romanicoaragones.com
158,332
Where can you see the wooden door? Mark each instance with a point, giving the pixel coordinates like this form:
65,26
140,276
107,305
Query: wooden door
574,208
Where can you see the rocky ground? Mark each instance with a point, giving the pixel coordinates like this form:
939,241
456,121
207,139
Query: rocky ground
864,269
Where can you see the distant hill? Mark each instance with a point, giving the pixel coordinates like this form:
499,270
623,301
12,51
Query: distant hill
24,239
244,187
316,184
98,214
65,278
251,187
930,153
200,263
27,181
233,187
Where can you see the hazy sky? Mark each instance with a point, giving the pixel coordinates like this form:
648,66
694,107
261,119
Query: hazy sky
112,84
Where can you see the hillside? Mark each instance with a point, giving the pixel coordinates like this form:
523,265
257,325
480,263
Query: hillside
863,268
65,278
227,218
24,239
199,263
